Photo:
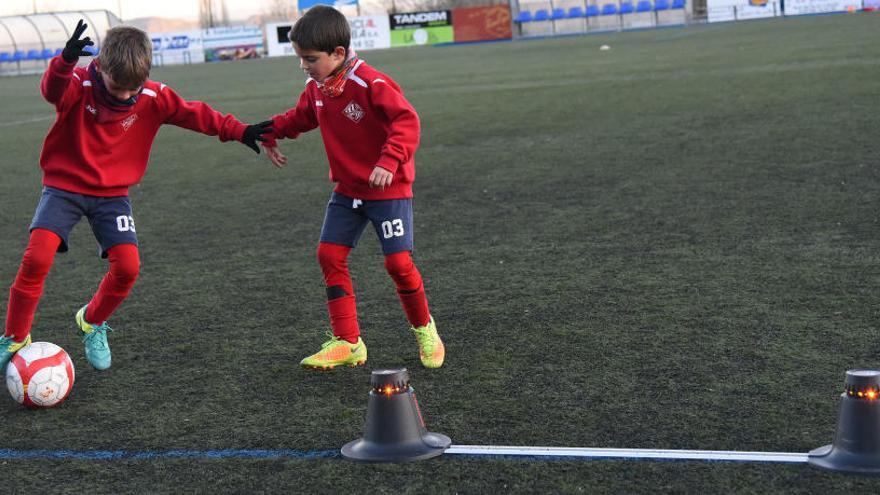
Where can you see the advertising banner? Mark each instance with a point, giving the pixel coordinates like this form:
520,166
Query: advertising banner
232,43
482,23
367,33
800,7
737,10
421,28
304,5
178,48
277,43
370,32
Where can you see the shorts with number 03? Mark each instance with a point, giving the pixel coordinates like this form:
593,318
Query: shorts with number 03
110,218
346,218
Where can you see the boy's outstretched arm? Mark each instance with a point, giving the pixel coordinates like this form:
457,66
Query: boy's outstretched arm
57,77
200,117
290,124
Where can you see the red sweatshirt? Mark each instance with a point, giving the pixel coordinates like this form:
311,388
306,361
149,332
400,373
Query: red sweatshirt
370,124
84,156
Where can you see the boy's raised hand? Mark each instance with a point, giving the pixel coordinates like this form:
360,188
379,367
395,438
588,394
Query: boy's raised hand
254,133
380,178
73,50
275,156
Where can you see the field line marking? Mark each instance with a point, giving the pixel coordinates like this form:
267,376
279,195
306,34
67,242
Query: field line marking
27,121
94,455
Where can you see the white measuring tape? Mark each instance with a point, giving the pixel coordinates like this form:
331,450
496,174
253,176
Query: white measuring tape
694,455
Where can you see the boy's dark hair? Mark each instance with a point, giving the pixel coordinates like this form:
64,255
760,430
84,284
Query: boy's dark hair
322,28
126,55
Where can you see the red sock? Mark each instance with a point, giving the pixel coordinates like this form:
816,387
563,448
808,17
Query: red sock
24,295
410,289
341,305
124,268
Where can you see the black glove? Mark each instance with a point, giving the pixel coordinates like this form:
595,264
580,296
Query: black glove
73,50
254,133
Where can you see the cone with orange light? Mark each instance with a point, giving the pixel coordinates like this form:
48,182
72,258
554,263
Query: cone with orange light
395,430
856,447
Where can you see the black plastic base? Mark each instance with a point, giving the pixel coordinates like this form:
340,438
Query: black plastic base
431,445
828,457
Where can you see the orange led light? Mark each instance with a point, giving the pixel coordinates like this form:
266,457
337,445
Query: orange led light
872,394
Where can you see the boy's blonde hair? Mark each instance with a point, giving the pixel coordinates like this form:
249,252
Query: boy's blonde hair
126,56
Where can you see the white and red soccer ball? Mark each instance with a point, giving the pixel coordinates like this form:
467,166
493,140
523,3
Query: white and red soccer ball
40,375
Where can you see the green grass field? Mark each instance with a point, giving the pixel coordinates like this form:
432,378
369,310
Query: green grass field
672,244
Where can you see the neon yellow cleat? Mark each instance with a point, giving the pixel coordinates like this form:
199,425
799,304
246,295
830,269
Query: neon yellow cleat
8,347
337,352
431,348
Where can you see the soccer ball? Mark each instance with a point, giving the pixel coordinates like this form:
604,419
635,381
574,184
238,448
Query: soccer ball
40,375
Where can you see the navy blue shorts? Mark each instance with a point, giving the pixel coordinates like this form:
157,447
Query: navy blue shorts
346,218
111,220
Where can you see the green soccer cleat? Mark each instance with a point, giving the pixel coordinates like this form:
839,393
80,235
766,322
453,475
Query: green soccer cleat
431,348
337,352
95,339
8,347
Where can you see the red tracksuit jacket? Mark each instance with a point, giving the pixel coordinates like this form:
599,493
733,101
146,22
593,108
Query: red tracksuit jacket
84,156
369,124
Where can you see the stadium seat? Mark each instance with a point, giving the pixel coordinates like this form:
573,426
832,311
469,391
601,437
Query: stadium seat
678,4
592,11
575,13
34,55
661,5
626,8
557,14
47,53
524,16
5,57
18,56
58,51
542,15
643,6
609,9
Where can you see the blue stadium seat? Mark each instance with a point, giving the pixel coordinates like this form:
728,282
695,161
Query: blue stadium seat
661,5
626,8
678,4
524,16
542,15
609,9
47,53
5,57
58,51
592,10
34,55
643,6
18,56
557,14
575,13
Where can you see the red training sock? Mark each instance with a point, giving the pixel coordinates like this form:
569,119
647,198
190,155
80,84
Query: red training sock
25,293
410,288
341,304
117,283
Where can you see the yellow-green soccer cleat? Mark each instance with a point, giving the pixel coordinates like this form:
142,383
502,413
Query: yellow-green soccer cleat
337,352
94,338
8,347
431,348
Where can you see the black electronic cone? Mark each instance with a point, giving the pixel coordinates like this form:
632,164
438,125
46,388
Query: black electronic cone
856,447
395,430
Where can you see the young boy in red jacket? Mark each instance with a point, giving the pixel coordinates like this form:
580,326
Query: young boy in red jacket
107,115
370,133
